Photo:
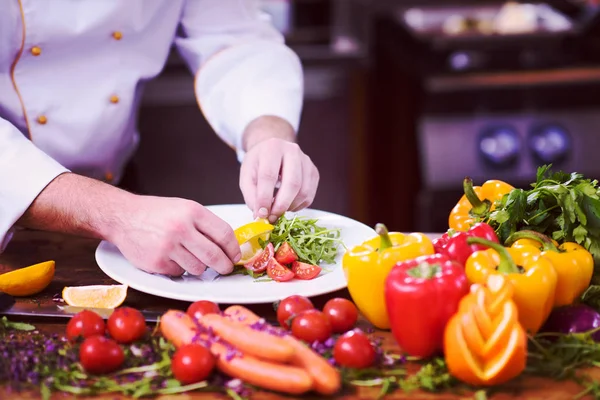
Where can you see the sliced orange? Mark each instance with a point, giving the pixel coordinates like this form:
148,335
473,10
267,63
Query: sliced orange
248,236
29,280
96,296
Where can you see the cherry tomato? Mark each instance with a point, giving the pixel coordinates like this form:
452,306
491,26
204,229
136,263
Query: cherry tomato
311,326
291,306
100,355
126,325
278,272
285,254
85,323
342,314
354,350
202,307
259,262
192,363
305,271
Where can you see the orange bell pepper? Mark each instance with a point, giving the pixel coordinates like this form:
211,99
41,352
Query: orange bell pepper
476,203
484,343
574,265
533,277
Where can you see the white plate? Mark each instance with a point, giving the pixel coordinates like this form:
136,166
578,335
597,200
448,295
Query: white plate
236,289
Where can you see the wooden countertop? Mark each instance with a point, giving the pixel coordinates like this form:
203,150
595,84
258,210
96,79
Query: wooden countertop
75,265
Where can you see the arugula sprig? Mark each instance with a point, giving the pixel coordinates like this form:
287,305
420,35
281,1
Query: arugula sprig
312,243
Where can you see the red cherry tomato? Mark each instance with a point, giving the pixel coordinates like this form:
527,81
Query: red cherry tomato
285,254
259,262
85,324
202,307
305,271
354,350
100,355
311,326
291,306
126,325
192,363
342,314
278,272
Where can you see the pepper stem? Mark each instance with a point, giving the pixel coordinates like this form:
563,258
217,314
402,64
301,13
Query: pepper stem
544,240
384,237
424,270
507,264
479,207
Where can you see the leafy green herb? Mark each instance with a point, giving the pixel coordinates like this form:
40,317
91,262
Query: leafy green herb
562,356
432,376
312,243
5,324
563,206
591,296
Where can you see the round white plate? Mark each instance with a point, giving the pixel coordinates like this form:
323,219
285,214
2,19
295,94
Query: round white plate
236,289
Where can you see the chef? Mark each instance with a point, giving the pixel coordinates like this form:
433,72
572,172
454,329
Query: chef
71,77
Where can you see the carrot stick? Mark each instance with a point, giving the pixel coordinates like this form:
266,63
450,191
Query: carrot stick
249,341
327,379
242,314
180,329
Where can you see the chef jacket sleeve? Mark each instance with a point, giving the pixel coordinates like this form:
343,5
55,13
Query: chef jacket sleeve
243,68
25,171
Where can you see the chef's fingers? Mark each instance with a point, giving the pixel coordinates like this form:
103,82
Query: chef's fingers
166,267
220,235
248,181
310,184
291,183
186,260
266,178
209,254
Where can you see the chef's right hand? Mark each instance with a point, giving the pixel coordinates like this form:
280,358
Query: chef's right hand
171,235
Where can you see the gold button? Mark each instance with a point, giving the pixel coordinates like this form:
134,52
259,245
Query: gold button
117,35
36,51
42,120
108,176
114,99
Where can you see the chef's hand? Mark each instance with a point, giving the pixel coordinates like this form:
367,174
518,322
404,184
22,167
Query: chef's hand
271,156
171,235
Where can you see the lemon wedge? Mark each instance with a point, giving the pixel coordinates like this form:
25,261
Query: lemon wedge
248,236
29,280
95,296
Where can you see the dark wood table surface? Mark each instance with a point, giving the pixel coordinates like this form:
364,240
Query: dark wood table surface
76,265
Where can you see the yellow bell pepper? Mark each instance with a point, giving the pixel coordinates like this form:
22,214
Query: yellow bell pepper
574,265
484,343
476,202
367,265
533,277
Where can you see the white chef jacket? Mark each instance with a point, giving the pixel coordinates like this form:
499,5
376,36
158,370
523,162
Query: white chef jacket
72,72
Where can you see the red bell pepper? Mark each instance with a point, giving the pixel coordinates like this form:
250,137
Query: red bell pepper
421,295
454,244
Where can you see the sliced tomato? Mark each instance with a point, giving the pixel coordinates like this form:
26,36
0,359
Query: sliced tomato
285,254
278,272
305,271
259,262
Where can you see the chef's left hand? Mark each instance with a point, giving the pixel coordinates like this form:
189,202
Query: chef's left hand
271,156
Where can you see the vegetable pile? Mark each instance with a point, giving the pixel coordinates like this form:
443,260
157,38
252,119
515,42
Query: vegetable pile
509,290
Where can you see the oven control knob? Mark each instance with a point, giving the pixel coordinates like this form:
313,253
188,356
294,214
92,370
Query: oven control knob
549,143
499,146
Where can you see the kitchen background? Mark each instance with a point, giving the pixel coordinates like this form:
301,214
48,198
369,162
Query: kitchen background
403,100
